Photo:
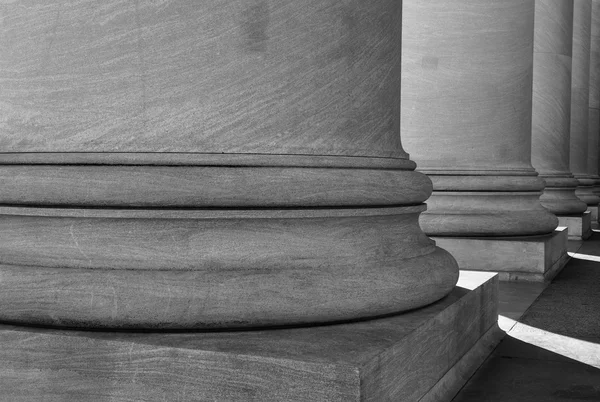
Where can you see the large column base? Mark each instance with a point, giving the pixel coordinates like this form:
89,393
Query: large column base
579,227
527,258
393,358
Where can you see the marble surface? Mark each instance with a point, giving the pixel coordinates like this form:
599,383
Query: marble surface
552,59
551,108
391,358
580,87
594,101
122,186
234,76
532,258
466,115
215,268
466,84
579,227
218,164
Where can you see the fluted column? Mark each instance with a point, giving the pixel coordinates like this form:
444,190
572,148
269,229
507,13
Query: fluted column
580,97
551,109
208,164
466,115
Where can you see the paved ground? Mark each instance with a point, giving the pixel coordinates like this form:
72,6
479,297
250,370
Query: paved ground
552,351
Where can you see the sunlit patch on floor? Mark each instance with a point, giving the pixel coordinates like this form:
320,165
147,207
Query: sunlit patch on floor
572,348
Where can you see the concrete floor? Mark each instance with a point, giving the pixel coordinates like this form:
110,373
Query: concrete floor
552,348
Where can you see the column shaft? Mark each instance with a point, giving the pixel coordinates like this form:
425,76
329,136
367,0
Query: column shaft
580,97
466,116
551,109
594,105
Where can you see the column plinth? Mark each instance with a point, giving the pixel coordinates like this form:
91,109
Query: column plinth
202,165
551,108
466,116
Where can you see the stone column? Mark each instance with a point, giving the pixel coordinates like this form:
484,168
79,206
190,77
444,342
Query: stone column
466,121
580,98
208,165
551,113
594,104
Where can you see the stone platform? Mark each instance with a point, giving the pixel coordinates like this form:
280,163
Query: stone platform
594,211
579,227
527,258
425,355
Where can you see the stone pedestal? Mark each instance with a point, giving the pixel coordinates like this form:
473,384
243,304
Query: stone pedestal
397,358
551,109
580,101
466,119
528,258
578,227
188,165
593,210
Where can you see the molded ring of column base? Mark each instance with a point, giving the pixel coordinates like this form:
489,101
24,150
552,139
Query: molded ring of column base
169,269
559,196
586,191
469,182
587,195
596,185
209,186
487,205
486,214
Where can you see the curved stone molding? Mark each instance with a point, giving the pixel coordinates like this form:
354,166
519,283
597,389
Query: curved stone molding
209,186
196,269
466,115
215,164
201,159
580,97
551,108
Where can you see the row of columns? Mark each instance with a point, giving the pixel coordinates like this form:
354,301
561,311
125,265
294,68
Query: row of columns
162,171
229,164
500,108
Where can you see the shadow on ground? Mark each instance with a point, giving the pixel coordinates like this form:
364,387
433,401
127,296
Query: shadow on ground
553,352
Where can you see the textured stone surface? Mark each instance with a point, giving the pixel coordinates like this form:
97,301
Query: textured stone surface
580,98
594,116
593,210
551,109
466,115
204,269
579,227
393,358
231,163
514,258
228,76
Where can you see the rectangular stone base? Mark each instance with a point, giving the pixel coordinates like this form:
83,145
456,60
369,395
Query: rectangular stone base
535,258
594,211
423,355
579,226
